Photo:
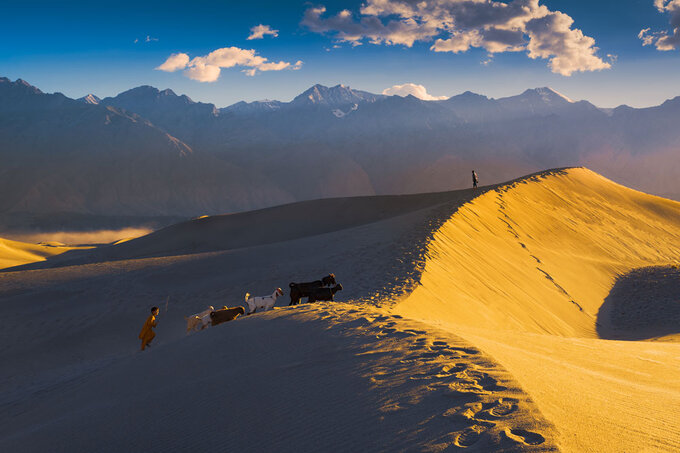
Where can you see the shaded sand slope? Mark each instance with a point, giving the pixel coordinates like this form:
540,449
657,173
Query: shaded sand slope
643,304
520,270
541,254
15,253
327,377
267,226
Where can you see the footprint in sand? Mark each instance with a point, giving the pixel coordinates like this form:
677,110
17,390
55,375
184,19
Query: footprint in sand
468,351
401,334
525,437
448,370
463,386
482,380
472,410
505,407
416,332
469,436
438,347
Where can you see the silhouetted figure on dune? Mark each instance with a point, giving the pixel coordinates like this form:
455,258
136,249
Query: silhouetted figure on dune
475,180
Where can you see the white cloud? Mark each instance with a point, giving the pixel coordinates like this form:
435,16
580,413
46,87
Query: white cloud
458,25
569,50
175,62
418,91
208,68
663,40
258,32
147,39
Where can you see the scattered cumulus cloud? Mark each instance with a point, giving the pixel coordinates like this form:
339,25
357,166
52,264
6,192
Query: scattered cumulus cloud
663,40
259,31
208,68
413,89
459,25
175,62
147,39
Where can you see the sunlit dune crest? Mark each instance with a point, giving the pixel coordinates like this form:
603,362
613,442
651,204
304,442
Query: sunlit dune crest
541,255
83,237
523,272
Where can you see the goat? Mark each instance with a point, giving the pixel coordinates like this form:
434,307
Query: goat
263,303
225,314
324,293
198,321
300,290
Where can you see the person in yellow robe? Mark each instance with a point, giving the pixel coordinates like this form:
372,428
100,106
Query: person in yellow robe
147,334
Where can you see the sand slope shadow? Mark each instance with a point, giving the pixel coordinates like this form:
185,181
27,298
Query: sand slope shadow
643,304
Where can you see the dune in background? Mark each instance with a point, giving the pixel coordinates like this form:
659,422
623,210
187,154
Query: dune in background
82,237
16,253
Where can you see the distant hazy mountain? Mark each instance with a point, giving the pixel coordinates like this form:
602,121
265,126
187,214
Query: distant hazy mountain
337,96
61,155
255,107
155,152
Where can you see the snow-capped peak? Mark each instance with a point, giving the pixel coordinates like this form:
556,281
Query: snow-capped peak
90,99
336,96
548,94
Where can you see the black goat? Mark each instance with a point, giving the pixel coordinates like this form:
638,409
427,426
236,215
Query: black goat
300,290
324,293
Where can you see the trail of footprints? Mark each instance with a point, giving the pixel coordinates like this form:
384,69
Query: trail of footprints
511,230
455,372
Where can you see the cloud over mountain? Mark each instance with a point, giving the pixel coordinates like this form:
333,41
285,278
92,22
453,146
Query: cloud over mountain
207,68
456,26
413,89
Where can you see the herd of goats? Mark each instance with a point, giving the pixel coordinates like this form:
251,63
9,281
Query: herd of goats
318,290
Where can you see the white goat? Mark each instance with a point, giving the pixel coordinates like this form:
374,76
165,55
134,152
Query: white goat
263,303
199,321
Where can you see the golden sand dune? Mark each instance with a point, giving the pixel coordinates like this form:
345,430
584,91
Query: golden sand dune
522,270
472,320
15,253
541,255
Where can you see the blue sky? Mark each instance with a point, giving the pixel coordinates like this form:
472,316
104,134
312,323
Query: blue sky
79,48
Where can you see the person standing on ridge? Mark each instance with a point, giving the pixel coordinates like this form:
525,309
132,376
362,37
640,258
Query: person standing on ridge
475,180
147,334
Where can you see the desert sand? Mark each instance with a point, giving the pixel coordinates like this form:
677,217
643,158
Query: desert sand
16,253
537,315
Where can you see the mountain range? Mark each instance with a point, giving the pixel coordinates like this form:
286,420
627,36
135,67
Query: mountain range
150,152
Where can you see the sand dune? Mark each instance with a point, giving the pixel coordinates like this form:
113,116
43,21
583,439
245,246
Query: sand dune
356,380
267,226
542,256
469,320
15,253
